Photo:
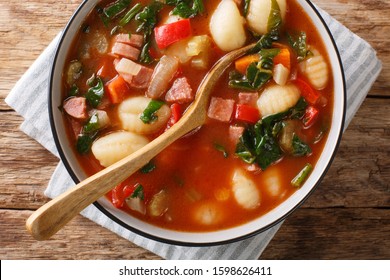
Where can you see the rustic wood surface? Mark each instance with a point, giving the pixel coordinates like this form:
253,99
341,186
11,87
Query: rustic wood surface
347,217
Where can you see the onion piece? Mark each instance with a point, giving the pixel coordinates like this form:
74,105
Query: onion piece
127,67
162,76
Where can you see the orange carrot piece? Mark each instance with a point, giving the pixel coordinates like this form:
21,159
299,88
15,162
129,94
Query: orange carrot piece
117,89
242,63
283,57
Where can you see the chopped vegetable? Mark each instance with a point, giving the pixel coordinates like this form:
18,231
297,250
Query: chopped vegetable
176,114
274,20
311,116
149,167
138,192
162,76
280,74
184,9
92,125
130,14
95,93
302,176
84,143
170,33
147,20
158,204
149,114
247,113
311,95
117,89
242,63
222,149
298,43
299,148
74,91
246,7
127,66
74,72
283,57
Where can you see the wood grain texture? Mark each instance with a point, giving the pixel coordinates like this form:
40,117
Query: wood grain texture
347,217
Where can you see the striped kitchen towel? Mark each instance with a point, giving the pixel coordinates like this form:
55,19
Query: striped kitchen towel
361,70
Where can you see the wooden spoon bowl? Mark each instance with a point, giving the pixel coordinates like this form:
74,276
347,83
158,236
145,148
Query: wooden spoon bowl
52,216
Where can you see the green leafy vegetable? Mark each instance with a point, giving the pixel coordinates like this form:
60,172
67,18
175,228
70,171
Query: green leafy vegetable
115,8
92,125
274,21
138,192
257,74
130,14
149,167
222,149
259,143
95,93
300,148
84,143
147,20
149,114
246,7
302,176
74,91
299,45
184,9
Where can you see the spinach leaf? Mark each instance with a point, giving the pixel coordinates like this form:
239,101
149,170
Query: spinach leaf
95,93
147,20
92,125
246,7
138,192
184,9
299,45
149,114
222,149
257,74
116,8
84,143
74,91
149,167
274,20
130,14
300,148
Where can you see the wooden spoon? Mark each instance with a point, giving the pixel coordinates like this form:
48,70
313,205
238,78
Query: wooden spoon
52,216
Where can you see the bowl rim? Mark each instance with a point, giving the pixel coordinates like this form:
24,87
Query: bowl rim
189,243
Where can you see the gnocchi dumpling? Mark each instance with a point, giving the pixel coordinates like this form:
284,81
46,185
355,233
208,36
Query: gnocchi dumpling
115,146
276,99
208,213
227,26
245,191
272,183
258,13
316,70
130,111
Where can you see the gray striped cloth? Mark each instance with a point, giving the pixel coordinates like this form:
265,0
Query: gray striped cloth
29,99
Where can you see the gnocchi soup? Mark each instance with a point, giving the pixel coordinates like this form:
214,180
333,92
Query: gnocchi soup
134,69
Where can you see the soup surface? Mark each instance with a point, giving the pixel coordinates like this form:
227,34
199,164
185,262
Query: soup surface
134,69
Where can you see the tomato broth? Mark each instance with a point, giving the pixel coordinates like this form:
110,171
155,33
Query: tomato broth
217,176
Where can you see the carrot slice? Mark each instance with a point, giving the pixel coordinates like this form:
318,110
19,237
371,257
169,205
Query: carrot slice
284,58
242,63
117,89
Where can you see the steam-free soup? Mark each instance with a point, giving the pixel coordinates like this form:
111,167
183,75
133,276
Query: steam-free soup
134,69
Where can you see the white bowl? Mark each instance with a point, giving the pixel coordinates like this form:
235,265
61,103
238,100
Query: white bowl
205,238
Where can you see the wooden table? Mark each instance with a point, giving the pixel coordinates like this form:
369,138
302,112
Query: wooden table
347,217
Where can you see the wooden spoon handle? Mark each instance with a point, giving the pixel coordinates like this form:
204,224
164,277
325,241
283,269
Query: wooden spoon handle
52,216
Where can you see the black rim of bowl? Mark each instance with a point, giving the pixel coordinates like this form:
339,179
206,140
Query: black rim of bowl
167,240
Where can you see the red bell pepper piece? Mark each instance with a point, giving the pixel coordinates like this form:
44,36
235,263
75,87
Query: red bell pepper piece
311,95
311,116
176,114
170,33
247,113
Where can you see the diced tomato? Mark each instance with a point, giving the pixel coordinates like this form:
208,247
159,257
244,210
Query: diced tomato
311,95
117,89
170,33
117,197
247,113
311,116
